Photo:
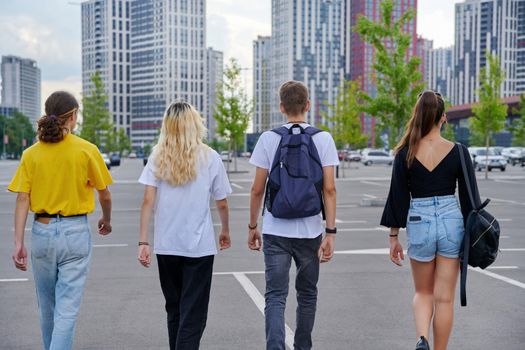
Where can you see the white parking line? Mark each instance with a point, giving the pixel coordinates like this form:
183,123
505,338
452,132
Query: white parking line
115,245
241,272
373,183
507,201
499,277
258,299
236,186
363,229
14,279
502,267
512,249
350,221
369,196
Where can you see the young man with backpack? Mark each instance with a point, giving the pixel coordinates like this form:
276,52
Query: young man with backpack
295,176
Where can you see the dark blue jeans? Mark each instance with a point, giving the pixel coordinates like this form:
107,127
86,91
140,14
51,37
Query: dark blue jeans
186,284
278,255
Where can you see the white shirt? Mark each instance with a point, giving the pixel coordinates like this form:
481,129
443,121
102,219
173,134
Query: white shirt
262,157
183,222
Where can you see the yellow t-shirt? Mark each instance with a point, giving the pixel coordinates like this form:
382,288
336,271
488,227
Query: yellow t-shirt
60,177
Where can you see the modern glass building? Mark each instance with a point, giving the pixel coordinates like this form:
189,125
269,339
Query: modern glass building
439,70
262,50
214,71
362,54
168,56
520,47
106,48
308,43
485,26
21,86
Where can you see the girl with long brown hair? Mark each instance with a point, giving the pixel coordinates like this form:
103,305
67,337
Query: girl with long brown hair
422,199
56,180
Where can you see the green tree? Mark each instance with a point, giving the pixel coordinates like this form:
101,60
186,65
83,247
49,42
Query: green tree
396,76
345,122
233,108
518,125
449,132
117,141
17,128
95,114
490,112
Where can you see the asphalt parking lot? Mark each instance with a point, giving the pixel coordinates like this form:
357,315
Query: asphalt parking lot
364,300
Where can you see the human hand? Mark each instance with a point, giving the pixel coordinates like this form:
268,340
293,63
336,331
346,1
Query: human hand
224,240
396,251
326,251
254,239
104,226
20,257
144,255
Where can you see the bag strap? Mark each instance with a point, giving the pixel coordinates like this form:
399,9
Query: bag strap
466,240
283,130
311,131
466,176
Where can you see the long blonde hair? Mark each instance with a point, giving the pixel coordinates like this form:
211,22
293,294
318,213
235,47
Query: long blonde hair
180,144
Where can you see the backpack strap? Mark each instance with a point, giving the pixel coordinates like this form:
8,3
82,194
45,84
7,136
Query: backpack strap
466,239
312,131
283,130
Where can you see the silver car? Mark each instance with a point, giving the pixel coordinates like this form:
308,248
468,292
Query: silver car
376,157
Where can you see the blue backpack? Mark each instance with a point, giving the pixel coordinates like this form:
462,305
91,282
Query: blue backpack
295,183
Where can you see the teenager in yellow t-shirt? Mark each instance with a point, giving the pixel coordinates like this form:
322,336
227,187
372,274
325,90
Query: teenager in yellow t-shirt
56,179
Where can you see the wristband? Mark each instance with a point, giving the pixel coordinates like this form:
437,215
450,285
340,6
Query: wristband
393,235
331,230
252,227
143,243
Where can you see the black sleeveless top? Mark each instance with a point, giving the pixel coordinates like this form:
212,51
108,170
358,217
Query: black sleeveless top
418,182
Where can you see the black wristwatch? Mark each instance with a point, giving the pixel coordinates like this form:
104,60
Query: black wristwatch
331,230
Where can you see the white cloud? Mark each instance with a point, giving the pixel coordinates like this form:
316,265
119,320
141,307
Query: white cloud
27,37
72,84
436,21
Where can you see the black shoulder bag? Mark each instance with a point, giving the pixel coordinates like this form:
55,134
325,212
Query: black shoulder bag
481,242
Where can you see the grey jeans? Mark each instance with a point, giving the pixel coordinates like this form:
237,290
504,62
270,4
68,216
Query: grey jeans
278,255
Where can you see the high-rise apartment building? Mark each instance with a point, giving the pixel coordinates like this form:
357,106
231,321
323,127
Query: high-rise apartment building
362,54
520,48
21,85
485,26
424,50
439,70
106,48
214,71
261,83
308,43
168,54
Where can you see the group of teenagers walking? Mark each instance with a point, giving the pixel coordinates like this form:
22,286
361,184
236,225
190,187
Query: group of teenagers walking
294,190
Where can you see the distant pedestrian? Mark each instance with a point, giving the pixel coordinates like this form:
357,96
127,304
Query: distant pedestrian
180,178
426,169
296,162
56,179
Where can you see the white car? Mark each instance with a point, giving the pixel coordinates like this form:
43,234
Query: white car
226,156
106,160
371,156
514,155
480,159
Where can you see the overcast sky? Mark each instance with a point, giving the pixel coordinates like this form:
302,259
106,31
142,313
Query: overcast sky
49,32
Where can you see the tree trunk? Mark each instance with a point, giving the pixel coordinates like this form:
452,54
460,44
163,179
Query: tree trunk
235,155
487,144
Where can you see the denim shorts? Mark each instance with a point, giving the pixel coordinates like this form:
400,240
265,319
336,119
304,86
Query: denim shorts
435,225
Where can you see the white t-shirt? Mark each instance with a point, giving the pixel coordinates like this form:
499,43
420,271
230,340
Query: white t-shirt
262,157
183,222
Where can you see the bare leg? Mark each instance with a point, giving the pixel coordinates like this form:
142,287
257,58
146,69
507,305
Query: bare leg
447,270
423,304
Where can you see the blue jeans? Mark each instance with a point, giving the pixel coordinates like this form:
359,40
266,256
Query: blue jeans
60,255
278,255
435,226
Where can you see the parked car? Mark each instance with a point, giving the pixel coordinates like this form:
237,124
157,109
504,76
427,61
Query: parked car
132,155
353,156
226,156
115,159
106,160
376,157
514,155
341,154
493,161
